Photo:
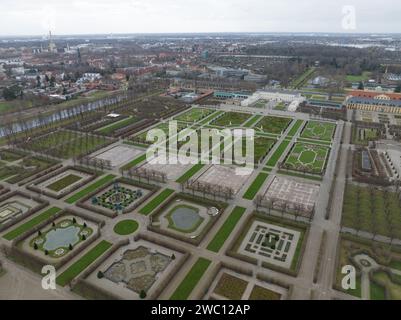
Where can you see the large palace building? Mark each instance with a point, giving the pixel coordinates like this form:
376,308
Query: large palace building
374,101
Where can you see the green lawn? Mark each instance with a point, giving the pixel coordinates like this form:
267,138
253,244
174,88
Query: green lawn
194,115
281,106
80,265
278,153
152,205
231,119
261,146
226,229
190,173
252,121
99,183
275,125
358,78
307,157
212,116
295,128
377,292
191,280
316,130
250,194
64,182
31,223
126,227
135,162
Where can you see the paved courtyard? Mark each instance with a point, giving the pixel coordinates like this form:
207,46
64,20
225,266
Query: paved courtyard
119,155
172,171
226,176
293,192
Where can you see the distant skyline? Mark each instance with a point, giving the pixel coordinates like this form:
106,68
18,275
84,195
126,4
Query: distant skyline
75,17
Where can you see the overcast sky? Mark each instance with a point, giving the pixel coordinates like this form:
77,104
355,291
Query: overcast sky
36,17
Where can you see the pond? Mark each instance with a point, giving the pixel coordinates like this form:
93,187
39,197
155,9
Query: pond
61,238
185,217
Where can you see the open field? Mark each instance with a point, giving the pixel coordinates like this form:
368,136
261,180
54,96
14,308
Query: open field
363,77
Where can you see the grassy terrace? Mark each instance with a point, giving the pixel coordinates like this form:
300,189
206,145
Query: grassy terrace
91,188
190,173
80,265
250,194
135,162
278,153
31,223
295,128
225,231
191,280
157,201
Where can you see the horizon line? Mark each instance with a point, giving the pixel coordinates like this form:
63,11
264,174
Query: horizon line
343,33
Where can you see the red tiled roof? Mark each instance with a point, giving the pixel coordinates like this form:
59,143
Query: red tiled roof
373,94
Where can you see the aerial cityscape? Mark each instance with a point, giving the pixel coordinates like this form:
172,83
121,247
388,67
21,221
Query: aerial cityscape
235,164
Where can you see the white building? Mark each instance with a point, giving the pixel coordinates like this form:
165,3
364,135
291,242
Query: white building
295,99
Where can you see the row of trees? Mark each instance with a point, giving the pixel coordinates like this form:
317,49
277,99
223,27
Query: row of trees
210,189
296,209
